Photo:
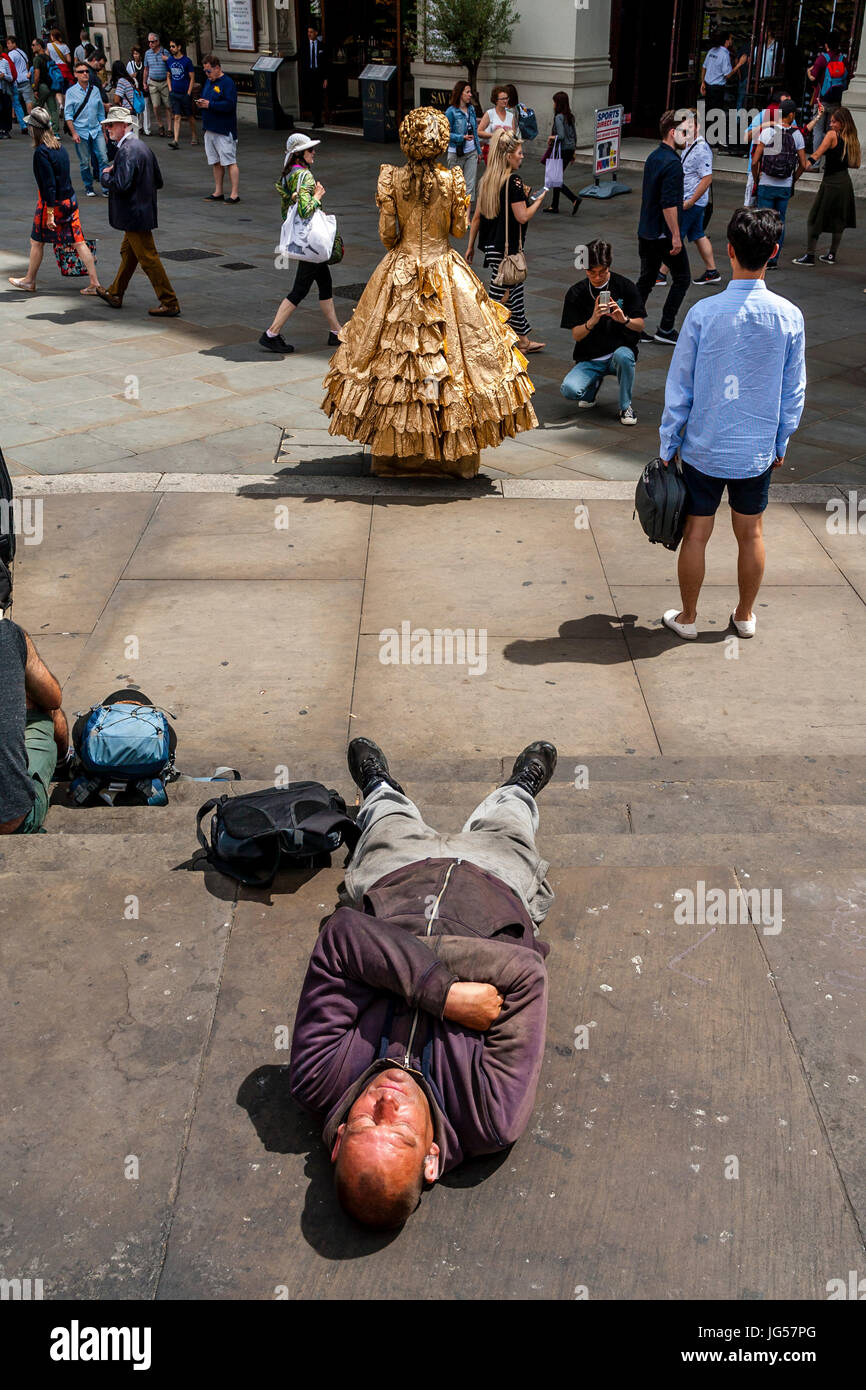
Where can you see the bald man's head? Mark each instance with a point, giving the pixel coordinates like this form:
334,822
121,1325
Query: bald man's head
384,1151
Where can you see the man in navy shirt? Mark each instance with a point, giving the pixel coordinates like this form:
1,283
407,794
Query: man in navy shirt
218,104
181,75
658,232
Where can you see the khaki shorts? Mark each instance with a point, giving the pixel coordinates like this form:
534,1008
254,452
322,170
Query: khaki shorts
220,149
41,762
158,93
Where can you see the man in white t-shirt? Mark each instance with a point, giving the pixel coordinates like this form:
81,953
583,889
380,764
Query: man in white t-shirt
778,160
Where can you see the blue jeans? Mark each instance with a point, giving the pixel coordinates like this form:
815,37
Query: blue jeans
91,146
585,378
777,198
18,107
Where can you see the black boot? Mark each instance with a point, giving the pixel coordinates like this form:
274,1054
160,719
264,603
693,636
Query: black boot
368,765
533,768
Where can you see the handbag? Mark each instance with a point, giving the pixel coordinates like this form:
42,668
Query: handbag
308,238
338,252
554,170
138,103
67,258
512,268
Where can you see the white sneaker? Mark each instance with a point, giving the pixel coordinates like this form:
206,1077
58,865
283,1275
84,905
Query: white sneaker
745,627
627,416
586,405
688,631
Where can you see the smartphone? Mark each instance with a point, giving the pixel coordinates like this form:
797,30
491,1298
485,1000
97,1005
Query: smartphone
544,190
604,298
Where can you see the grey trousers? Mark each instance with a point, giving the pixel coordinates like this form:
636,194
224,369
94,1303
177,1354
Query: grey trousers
498,837
469,164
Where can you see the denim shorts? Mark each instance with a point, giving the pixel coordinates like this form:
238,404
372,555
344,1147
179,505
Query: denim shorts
748,496
692,223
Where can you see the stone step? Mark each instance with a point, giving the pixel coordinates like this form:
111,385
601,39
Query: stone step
744,808
77,854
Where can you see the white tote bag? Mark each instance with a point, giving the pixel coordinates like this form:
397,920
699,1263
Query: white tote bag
308,238
553,167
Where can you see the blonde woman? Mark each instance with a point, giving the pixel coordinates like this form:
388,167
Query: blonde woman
56,219
504,195
833,209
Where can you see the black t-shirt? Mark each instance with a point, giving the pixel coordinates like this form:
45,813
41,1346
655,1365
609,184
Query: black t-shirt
608,335
16,786
492,232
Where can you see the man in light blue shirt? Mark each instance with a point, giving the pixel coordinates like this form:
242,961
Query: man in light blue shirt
83,110
733,398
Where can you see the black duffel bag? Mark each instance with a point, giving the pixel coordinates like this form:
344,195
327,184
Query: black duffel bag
257,833
660,502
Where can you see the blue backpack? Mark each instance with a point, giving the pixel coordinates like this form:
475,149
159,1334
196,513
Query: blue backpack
123,748
56,79
527,122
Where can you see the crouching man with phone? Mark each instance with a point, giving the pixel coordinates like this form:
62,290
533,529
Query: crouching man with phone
606,316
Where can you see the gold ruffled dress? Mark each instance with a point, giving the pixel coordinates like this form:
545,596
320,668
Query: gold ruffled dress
427,372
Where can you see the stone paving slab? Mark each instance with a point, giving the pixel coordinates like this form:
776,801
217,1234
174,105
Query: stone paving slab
243,664
104,1019
799,684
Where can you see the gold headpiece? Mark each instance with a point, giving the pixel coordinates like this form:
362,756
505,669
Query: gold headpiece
424,133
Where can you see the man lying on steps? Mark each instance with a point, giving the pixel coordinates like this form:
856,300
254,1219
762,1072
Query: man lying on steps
420,1028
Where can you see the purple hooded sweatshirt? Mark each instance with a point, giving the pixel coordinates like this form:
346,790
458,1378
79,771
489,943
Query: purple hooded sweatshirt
376,987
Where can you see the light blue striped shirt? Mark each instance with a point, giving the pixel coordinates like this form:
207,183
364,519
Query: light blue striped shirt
737,382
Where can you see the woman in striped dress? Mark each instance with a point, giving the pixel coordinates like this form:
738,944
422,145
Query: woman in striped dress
503,209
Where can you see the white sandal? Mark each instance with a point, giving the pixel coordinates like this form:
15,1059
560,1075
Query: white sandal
20,285
745,626
688,631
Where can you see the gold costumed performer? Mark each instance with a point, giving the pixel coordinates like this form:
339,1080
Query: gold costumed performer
427,372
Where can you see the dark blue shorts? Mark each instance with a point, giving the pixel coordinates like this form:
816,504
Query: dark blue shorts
692,223
181,104
748,496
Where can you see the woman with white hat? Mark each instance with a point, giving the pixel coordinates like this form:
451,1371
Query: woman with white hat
298,184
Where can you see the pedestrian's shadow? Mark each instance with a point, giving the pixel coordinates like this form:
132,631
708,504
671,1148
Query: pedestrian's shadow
283,1127
600,639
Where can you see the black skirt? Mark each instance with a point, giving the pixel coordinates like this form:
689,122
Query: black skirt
834,209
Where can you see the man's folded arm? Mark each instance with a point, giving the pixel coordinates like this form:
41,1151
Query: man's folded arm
513,1047
355,957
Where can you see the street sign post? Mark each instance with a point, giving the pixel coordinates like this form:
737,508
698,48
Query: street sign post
605,160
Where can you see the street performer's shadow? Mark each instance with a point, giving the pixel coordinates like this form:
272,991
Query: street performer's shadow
283,1127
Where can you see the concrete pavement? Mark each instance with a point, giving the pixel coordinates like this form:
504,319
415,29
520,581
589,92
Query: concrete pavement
197,394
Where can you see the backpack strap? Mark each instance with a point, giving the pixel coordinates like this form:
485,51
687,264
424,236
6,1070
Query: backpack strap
202,812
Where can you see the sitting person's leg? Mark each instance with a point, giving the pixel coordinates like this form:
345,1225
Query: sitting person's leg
499,836
393,831
42,743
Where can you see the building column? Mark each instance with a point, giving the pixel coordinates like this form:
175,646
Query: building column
855,100
560,46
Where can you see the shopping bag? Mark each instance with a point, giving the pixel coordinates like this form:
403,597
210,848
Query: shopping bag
308,238
67,258
553,168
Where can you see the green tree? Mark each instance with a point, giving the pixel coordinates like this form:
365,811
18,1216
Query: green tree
182,20
471,30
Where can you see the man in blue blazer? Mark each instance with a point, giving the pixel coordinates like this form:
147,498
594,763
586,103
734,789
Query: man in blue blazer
132,181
